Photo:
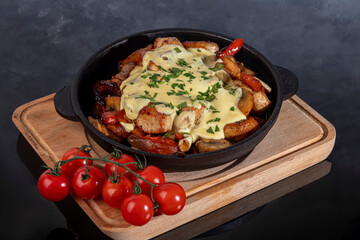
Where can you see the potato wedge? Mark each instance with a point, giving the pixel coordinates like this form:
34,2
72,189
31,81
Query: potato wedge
246,102
261,103
238,131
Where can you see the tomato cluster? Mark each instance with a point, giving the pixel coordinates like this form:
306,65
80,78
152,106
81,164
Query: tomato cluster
120,188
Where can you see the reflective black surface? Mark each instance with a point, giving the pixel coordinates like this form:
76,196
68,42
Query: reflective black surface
44,43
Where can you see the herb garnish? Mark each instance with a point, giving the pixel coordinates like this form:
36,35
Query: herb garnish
162,68
217,68
182,63
178,93
210,130
203,73
189,75
214,110
214,120
207,96
177,50
232,108
183,133
156,103
175,72
154,81
232,91
215,88
180,106
167,134
148,96
146,75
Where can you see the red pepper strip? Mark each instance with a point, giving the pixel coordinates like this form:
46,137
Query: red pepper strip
253,83
232,49
109,118
178,135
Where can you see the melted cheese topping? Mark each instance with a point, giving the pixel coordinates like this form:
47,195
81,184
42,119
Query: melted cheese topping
186,78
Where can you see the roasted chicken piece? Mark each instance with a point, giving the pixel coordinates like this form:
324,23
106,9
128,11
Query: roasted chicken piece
136,56
125,70
153,122
159,42
198,111
211,46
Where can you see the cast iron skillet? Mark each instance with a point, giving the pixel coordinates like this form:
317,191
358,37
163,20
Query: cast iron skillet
75,102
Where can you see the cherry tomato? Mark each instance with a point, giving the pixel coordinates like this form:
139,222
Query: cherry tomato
137,209
152,174
54,188
88,187
171,197
109,118
70,167
110,168
114,193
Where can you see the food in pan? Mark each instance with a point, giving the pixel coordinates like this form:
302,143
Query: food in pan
175,97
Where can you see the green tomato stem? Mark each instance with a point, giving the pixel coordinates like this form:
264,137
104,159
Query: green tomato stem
109,161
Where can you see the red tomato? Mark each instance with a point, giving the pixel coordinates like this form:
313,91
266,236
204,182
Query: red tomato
114,193
54,188
171,197
110,168
91,187
152,174
109,118
137,209
70,167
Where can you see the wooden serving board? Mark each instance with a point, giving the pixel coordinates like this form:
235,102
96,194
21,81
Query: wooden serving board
299,139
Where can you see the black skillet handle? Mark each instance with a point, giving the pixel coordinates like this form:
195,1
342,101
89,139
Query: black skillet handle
63,106
289,82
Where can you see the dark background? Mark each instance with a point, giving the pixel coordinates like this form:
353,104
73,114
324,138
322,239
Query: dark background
43,44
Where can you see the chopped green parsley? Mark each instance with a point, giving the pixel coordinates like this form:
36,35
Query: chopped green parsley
210,130
217,68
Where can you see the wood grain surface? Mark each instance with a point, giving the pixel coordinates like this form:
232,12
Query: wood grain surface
299,139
